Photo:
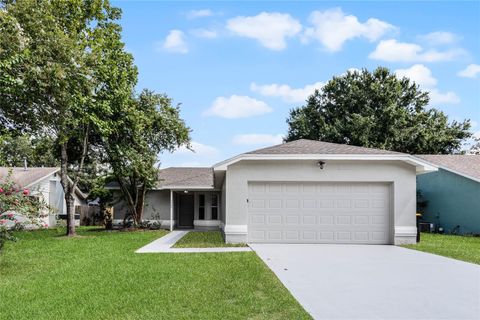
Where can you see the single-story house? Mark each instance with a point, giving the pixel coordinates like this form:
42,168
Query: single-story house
44,184
302,191
452,193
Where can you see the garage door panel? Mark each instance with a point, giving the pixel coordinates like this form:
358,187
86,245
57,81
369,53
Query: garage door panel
318,212
314,236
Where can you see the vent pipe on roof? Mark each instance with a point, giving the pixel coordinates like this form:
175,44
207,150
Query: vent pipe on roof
25,164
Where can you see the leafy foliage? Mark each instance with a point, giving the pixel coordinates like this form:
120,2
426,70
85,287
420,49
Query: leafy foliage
54,56
16,201
65,74
377,110
146,126
475,148
39,152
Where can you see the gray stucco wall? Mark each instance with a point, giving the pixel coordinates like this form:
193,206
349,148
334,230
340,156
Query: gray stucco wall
401,175
453,200
157,205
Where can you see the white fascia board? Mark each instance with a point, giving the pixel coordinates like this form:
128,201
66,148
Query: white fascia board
421,166
446,169
175,188
460,174
42,178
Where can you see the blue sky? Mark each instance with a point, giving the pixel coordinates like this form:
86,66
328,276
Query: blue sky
237,68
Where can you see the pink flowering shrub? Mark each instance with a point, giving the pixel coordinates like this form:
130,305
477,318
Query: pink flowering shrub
18,209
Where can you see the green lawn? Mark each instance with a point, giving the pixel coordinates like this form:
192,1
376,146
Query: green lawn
457,247
204,239
98,276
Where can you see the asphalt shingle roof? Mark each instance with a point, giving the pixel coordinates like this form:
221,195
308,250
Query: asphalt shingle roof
23,178
468,165
304,146
185,177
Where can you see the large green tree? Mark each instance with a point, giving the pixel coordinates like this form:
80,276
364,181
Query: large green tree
144,127
378,110
52,58
38,152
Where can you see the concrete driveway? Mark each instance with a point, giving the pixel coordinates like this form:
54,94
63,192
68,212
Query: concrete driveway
375,282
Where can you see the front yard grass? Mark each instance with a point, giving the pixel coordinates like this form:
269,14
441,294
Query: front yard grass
204,239
458,247
98,276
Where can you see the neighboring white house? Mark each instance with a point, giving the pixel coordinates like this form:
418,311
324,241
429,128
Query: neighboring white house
43,183
298,192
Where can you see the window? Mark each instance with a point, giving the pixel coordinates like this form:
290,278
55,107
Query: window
214,206
201,207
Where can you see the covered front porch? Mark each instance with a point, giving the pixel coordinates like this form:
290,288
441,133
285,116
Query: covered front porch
195,209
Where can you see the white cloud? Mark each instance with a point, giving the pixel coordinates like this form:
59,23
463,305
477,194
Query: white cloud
353,70
471,71
422,76
473,123
199,149
418,73
257,139
285,92
205,33
332,28
437,97
393,51
271,29
439,38
237,107
193,14
477,135
175,42
202,155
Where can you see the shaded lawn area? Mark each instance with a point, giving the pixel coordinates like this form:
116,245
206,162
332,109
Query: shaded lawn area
204,239
458,247
98,276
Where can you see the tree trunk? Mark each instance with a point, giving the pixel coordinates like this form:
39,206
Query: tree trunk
67,190
132,205
140,204
70,216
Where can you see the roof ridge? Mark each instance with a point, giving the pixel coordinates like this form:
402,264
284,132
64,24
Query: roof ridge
294,143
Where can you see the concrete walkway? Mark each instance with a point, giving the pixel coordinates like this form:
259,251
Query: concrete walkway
374,281
165,243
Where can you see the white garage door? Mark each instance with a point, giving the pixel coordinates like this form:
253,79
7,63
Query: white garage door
311,212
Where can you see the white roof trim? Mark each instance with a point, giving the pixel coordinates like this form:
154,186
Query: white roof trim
173,187
422,166
184,188
42,178
459,173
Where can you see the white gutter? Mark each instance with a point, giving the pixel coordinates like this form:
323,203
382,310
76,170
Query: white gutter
421,165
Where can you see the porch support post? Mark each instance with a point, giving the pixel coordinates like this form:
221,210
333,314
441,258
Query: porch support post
171,210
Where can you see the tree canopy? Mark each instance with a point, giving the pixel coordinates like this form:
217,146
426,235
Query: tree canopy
142,131
378,110
39,152
50,53
65,76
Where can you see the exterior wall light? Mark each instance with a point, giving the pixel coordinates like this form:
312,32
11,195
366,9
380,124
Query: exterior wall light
321,164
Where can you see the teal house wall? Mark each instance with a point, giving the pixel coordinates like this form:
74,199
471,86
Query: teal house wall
453,200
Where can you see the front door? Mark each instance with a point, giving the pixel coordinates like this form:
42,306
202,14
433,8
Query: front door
185,210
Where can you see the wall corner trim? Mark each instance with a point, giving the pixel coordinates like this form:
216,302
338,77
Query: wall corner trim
235,229
405,231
